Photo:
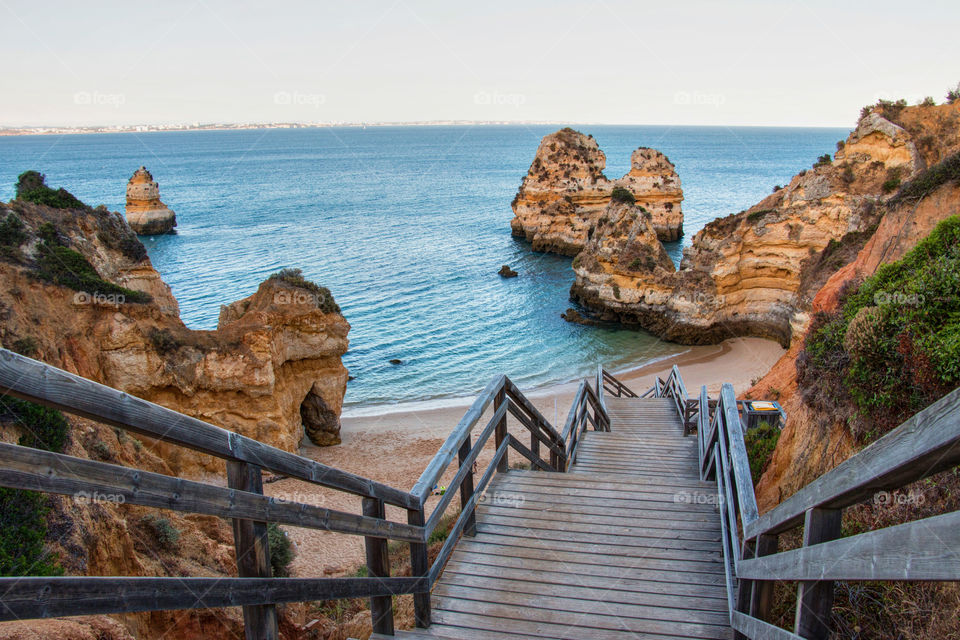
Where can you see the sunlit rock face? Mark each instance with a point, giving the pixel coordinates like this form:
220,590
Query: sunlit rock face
146,214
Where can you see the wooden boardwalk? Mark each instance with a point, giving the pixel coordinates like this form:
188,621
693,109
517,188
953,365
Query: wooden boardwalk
625,546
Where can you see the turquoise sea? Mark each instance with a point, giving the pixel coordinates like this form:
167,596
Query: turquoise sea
408,227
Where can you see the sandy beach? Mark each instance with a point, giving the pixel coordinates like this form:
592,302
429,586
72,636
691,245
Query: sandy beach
395,447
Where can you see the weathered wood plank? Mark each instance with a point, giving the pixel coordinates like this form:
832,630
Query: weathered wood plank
378,566
252,553
596,589
553,600
739,462
815,599
924,445
760,630
921,550
36,470
33,597
598,584
39,382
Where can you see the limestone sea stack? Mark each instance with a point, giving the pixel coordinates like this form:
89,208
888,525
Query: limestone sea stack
146,214
565,192
655,185
756,272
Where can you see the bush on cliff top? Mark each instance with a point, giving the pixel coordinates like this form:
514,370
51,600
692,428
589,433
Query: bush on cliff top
947,170
64,266
32,187
294,278
894,345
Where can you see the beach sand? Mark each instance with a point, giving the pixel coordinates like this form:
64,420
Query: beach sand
395,447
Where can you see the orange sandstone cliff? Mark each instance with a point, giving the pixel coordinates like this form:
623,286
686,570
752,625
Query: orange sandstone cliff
756,272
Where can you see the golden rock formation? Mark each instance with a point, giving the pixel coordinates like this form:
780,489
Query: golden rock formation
146,214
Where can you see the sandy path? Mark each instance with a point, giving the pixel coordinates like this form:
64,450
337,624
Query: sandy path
394,448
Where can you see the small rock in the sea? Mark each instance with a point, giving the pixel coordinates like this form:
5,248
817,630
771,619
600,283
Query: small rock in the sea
572,315
349,378
396,361
146,214
507,272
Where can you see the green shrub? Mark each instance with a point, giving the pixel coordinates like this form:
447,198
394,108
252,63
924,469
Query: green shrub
25,346
166,535
163,340
619,194
32,187
761,442
894,345
953,94
23,531
947,170
11,231
64,266
757,215
928,102
43,428
281,550
892,183
823,161
294,277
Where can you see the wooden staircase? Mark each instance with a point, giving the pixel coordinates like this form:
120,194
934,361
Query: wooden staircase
628,546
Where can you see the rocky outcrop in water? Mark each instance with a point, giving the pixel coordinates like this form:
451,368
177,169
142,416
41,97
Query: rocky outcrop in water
565,192
755,272
146,214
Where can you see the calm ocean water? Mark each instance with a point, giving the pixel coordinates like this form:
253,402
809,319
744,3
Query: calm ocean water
408,227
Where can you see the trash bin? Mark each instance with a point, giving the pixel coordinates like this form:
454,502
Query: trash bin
753,412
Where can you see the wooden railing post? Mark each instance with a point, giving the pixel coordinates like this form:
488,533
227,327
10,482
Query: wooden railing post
815,599
253,552
378,566
755,597
500,432
419,566
466,490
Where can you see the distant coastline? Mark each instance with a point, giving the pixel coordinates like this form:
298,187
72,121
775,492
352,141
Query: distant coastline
147,128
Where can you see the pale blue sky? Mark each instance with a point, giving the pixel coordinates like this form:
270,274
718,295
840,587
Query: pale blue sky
674,62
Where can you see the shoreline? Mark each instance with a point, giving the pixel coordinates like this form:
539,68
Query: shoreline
736,360
395,447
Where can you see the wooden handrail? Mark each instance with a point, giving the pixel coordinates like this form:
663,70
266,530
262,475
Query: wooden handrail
617,389
38,382
925,444
243,501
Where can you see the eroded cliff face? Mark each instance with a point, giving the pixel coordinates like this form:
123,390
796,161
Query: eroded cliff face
565,192
754,273
77,290
272,352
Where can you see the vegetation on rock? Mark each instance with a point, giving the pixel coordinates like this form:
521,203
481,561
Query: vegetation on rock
619,194
32,187
322,295
894,345
62,265
23,514
760,441
281,550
